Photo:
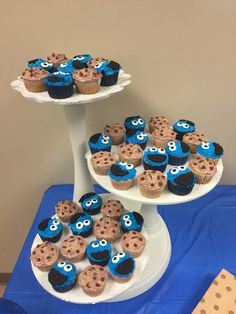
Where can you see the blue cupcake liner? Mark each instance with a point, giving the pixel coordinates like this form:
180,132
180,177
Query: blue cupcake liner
177,161
92,212
94,151
60,92
109,80
179,189
161,168
100,263
52,239
65,288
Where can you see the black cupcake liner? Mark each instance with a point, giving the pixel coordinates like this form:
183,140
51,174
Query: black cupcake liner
65,288
83,234
94,151
179,189
124,230
52,239
161,168
138,129
60,92
142,145
92,212
109,80
100,263
177,161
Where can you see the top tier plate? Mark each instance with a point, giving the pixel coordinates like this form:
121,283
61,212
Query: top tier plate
123,80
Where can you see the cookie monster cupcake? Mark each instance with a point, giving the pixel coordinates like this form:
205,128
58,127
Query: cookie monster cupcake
121,266
81,224
131,221
99,142
99,252
110,72
40,63
62,276
155,159
91,203
69,67
59,85
182,126
178,153
137,137
122,175
135,123
211,150
50,230
180,180
83,59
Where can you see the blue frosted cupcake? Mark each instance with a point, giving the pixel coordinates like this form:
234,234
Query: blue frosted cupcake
137,137
99,252
59,85
50,230
131,221
83,59
180,180
99,142
122,175
62,276
211,150
110,72
91,203
135,123
121,266
178,153
182,126
81,224
40,63
155,159
74,64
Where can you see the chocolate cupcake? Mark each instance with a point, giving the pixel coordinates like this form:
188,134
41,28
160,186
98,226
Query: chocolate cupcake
122,175
99,252
178,153
134,243
131,221
99,142
203,168
59,85
73,248
193,140
135,123
116,131
158,122
62,276
113,209
91,203
50,230
181,180
137,137
44,256
106,228
57,59
93,280
65,210
81,224
182,126
87,81
211,150
155,159
151,183
33,79
121,266
102,161
162,135
130,153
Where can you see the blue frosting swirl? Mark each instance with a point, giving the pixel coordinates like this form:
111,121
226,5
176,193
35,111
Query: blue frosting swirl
117,259
184,126
135,123
67,269
137,137
153,151
98,246
130,169
65,79
53,228
174,172
84,58
99,141
207,149
175,149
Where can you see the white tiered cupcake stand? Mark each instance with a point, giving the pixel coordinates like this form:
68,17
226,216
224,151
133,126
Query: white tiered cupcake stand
159,244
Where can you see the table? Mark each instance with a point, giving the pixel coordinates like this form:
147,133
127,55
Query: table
203,237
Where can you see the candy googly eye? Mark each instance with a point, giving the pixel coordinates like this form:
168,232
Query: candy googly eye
122,163
79,225
205,145
153,149
182,168
140,137
56,222
98,65
61,264
140,121
88,203
63,65
115,259
129,167
80,57
185,125
67,268
171,144
180,124
106,137
174,171
53,228
105,141
161,150
128,223
86,222
103,242
135,122
95,245
94,200
125,217
172,148
121,254
46,64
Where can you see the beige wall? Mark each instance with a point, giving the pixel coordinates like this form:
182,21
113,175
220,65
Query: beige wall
182,58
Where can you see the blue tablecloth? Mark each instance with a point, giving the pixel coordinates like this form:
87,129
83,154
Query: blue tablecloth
203,234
